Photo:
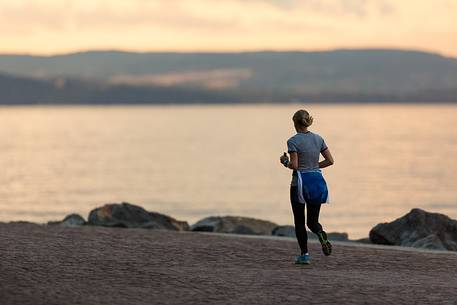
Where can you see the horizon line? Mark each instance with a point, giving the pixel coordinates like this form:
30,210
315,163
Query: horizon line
260,50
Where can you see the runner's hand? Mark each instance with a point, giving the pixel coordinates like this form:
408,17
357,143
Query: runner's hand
284,159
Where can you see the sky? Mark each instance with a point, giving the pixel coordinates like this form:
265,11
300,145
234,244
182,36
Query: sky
59,26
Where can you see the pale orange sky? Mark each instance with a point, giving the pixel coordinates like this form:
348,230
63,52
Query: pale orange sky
59,26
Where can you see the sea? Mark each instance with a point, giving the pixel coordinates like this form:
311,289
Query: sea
195,161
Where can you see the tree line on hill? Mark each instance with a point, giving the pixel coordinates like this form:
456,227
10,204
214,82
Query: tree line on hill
112,77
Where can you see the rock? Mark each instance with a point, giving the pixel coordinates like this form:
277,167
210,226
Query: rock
234,224
23,222
365,240
289,231
430,242
168,222
70,220
242,229
127,215
418,229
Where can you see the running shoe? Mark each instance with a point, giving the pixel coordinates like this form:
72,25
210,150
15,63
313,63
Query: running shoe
304,259
326,245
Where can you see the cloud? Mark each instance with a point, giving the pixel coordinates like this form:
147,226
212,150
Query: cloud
72,14
32,16
283,4
198,16
210,79
62,25
333,7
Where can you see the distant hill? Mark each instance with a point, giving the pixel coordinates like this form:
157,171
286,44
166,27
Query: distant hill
21,91
333,76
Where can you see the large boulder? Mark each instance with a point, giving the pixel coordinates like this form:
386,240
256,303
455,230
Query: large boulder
418,229
127,215
289,231
234,224
364,240
70,221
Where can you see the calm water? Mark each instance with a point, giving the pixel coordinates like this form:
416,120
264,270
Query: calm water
195,161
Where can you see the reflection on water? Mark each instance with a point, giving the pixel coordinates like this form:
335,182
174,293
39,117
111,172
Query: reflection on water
195,161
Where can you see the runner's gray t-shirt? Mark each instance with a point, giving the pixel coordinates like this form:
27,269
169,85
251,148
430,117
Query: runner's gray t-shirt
308,146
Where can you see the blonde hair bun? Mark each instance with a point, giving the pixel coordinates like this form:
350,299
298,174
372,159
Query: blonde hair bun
302,118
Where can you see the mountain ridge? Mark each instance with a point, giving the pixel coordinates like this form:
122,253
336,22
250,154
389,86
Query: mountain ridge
267,76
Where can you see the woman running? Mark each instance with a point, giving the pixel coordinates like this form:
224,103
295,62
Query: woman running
308,186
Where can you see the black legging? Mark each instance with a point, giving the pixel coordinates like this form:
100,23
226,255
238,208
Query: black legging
312,215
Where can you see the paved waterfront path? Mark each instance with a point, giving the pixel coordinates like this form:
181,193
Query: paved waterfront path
94,265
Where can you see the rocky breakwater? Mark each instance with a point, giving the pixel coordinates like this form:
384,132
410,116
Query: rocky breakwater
419,229
127,215
124,215
253,226
70,221
235,225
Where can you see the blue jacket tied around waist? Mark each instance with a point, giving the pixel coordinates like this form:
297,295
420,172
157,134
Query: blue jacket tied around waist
312,188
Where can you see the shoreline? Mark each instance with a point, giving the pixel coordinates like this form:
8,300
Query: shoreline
418,229
349,243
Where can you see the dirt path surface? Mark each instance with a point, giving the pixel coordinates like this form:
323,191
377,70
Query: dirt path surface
93,265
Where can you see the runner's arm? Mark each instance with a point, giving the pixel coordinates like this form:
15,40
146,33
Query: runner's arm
328,158
293,163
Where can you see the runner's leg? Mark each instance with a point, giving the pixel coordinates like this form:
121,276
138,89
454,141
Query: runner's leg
299,220
312,217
